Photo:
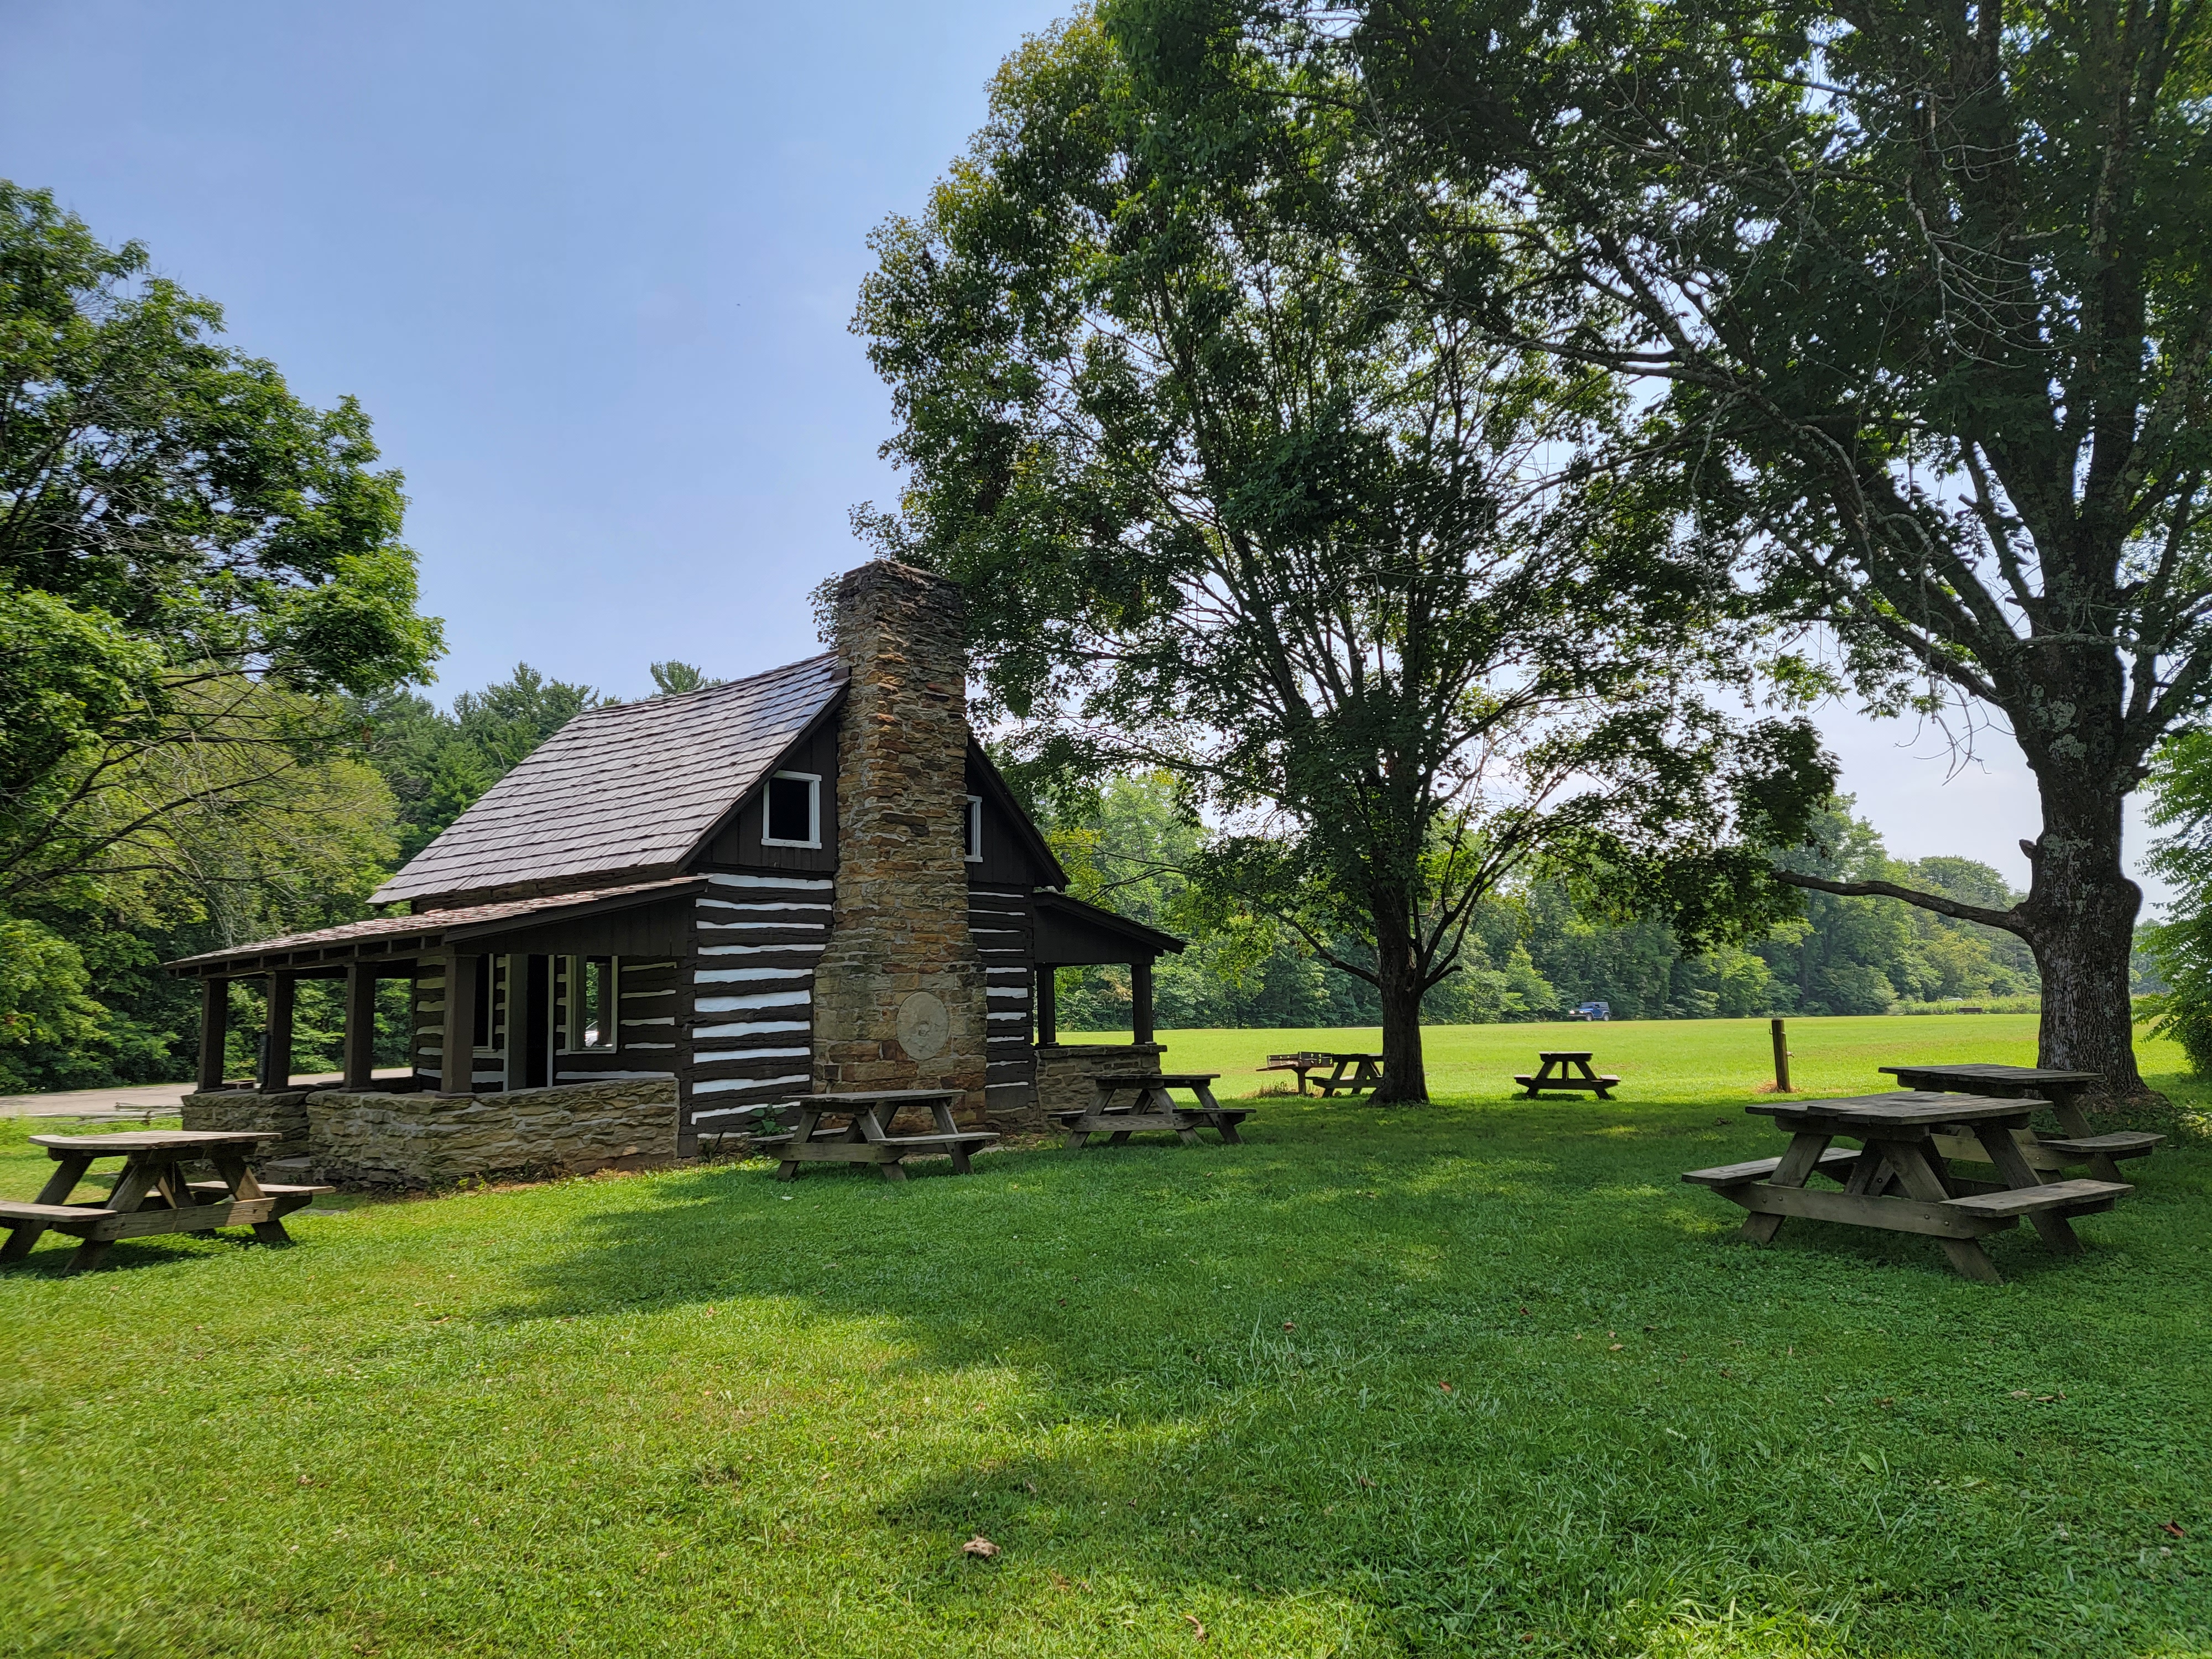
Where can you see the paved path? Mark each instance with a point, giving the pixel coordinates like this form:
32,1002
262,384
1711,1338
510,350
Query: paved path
162,1099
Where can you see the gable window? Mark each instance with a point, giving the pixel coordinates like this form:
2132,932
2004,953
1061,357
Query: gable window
793,810
974,831
592,1004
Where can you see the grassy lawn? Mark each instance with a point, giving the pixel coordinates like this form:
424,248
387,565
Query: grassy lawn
1478,1378
1703,1060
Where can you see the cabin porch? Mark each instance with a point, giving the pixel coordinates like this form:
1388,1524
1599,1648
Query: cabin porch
535,992
563,1008
1071,934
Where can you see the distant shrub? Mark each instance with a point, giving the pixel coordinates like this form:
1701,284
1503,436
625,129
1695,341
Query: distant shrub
2184,1012
1979,1005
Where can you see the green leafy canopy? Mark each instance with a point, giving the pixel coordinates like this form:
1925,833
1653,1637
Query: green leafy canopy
152,476
192,561
1224,501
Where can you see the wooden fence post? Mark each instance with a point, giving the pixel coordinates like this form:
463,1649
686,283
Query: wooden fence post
1781,1058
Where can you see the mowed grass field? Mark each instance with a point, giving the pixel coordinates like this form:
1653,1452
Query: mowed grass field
1656,1059
1481,1378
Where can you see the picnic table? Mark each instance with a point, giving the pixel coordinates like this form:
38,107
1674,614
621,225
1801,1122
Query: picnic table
2078,1143
1366,1070
1899,1178
153,1194
866,1136
1150,1106
1563,1069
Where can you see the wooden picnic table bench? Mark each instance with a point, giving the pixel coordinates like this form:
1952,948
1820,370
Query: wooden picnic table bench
153,1194
866,1136
1150,1106
2077,1143
1563,1069
1366,1070
1900,1179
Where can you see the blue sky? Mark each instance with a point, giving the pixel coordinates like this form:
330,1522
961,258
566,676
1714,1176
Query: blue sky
589,269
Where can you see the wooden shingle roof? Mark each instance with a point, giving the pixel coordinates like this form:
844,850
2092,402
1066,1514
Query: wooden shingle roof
629,789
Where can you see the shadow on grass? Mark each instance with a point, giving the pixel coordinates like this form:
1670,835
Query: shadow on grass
50,1257
1480,1371
1308,1203
1430,1380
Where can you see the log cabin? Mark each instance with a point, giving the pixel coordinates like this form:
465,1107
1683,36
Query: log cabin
810,880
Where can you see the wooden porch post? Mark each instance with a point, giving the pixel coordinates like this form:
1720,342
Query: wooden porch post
277,1036
1048,1006
515,1059
215,1029
360,1025
1140,1001
457,1051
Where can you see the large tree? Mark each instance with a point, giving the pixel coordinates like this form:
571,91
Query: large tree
192,560
1221,505
1924,285
193,564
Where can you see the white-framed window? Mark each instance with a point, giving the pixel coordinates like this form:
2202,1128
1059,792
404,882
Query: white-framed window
791,811
590,1003
973,835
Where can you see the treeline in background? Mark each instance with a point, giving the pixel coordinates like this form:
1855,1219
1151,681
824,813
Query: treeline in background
83,1002
91,1007
1531,954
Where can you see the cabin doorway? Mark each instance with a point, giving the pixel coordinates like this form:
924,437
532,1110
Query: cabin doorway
514,1023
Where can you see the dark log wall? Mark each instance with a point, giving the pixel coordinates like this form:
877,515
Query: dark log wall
649,1044
649,1040
429,1024
486,1072
759,935
1006,861
649,930
1002,921
739,846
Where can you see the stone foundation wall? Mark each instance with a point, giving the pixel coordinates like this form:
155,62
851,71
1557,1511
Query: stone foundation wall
285,1114
1064,1071
422,1140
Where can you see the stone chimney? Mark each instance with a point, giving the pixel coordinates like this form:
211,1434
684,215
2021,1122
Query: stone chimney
898,997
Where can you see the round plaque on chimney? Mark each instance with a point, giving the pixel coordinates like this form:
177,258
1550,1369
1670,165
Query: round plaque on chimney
923,1026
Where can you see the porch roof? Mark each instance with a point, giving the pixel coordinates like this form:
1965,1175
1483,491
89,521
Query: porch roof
401,937
1071,934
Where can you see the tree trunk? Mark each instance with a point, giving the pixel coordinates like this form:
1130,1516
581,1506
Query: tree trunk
1398,975
2078,917
2081,915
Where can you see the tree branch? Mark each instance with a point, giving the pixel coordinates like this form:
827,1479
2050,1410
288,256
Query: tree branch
2010,920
